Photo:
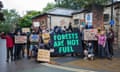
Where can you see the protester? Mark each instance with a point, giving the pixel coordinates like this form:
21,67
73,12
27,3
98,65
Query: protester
89,51
103,51
70,28
65,29
9,45
34,40
18,47
110,38
28,44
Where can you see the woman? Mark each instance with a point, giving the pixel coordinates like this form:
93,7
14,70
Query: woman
110,38
103,46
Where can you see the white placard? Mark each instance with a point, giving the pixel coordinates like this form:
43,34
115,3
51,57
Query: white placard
36,24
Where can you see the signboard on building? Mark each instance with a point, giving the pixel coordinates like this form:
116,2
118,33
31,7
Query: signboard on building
43,55
89,18
36,24
66,43
25,30
89,34
20,39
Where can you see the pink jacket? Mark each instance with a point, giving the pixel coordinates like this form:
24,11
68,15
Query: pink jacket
101,39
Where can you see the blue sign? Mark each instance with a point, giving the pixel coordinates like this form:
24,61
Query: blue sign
34,38
112,22
88,17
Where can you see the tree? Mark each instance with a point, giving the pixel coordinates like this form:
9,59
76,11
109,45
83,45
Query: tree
48,7
11,19
26,20
1,14
78,4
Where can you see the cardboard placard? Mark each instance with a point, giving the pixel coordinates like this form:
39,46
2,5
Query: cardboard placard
25,30
46,37
89,34
20,39
43,55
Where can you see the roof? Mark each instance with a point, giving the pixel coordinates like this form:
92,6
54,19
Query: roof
58,12
61,11
115,3
80,11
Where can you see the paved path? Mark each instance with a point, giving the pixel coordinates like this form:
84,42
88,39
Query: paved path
26,65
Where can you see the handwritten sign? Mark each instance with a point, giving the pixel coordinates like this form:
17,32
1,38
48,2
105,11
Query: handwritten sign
43,55
20,39
46,37
89,34
25,30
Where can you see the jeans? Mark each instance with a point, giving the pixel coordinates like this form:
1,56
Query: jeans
103,51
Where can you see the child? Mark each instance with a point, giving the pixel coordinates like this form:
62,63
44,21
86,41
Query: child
88,52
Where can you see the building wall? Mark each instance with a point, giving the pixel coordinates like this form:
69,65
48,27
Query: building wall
79,17
42,20
59,21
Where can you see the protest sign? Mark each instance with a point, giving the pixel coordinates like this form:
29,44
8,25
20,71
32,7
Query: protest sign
20,39
43,55
66,43
34,38
25,30
46,37
89,34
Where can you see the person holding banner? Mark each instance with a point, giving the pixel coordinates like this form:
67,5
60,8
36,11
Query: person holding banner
34,41
18,47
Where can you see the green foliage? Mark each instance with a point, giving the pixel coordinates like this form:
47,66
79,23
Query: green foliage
1,14
48,7
78,4
11,19
26,20
5,28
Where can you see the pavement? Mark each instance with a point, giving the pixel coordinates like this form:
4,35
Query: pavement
25,65
100,65
59,64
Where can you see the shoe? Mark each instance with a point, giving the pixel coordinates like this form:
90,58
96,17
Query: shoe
7,60
109,58
12,59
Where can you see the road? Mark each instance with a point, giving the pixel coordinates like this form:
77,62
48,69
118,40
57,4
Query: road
25,65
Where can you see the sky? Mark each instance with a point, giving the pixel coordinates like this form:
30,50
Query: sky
24,5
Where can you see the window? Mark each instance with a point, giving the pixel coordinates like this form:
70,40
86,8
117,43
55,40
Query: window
106,17
76,21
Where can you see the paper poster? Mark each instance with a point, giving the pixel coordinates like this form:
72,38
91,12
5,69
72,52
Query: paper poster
20,39
34,38
89,34
46,37
25,30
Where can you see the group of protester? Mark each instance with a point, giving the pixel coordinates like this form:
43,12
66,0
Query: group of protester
102,47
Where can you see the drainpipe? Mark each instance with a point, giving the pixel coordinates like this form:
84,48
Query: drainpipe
112,11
